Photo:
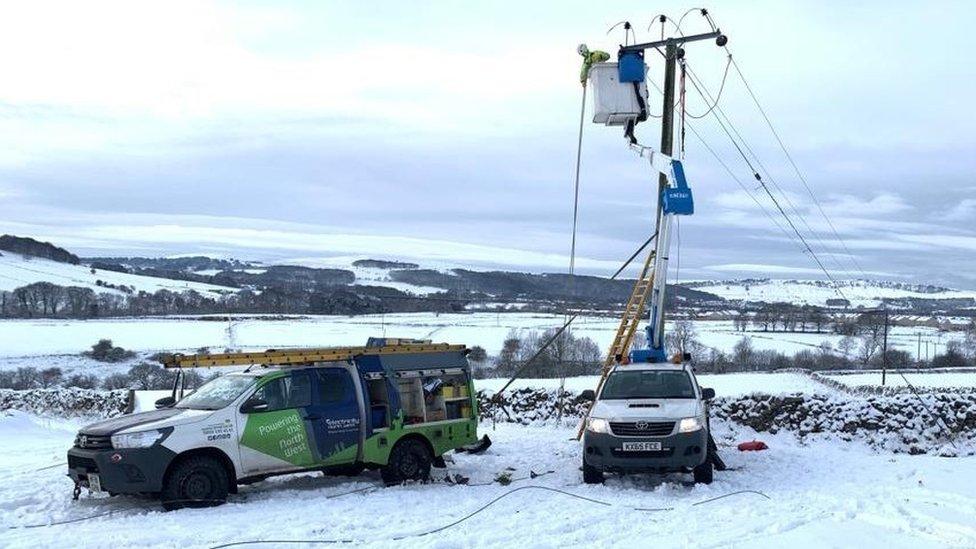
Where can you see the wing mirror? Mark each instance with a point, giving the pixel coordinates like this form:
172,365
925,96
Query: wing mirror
253,405
165,402
708,393
588,394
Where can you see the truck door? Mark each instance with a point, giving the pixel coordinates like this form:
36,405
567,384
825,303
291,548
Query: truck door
278,438
335,415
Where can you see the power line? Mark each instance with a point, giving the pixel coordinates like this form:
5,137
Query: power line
779,140
703,90
764,186
741,185
796,168
718,96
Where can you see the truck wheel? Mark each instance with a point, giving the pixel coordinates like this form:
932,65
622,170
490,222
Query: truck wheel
199,481
703,473
592,475
409,460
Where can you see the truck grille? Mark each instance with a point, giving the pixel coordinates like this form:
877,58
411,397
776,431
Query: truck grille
641,428
83,463
93,442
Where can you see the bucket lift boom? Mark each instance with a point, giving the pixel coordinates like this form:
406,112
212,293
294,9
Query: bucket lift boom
675,199
620,99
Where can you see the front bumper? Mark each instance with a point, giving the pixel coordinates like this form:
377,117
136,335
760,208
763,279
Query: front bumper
125,471
679,452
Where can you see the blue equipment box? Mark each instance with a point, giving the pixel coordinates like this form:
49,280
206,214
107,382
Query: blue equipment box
631,66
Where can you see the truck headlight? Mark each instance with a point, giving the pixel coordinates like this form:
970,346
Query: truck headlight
597,425
689,425
142,439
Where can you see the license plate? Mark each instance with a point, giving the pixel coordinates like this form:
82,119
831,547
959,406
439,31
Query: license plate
643,446
94,483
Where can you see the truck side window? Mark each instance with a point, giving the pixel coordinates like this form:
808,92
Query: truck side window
335,386
300,395
291,391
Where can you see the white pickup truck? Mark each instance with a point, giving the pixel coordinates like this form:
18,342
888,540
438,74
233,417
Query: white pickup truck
650,417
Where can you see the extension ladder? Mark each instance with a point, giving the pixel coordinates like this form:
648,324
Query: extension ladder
633,312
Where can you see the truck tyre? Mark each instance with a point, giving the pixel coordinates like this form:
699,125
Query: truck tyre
703,473
409,460
198,481
592,475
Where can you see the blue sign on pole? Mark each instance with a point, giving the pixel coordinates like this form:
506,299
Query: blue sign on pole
678,200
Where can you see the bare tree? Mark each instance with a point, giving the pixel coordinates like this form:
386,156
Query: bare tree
969,343
871,327
743,355
50,377
682,338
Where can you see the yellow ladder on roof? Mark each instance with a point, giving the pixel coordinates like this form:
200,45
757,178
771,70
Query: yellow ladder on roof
633,313
285,357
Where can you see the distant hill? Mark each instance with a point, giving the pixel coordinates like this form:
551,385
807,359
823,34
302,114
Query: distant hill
857,293
201,284
35,248
384,264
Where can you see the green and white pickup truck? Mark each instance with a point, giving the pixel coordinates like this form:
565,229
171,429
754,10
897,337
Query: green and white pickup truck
397,408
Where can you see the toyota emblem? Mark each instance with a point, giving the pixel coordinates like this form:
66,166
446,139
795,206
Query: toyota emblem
642,425
84,441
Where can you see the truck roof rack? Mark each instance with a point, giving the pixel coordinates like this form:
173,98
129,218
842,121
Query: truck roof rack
285,357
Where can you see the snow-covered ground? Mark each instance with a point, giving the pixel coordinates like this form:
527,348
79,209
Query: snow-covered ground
724,384
820,495
17,270
809,292
27,337
918,379
374,276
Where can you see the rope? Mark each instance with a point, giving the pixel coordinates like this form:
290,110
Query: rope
572,250
116,511
474,513
565,325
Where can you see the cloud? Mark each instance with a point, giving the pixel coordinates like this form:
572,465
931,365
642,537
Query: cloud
963,210
308,130
879,205
930,241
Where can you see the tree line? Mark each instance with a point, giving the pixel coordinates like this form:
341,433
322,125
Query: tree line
862,347
47,300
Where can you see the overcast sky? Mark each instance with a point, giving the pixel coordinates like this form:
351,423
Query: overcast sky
446,133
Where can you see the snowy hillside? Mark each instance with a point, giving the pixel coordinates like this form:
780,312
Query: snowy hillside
864,293
17,270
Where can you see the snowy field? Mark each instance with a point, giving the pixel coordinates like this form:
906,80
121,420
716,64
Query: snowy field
806,292
923,379
17,270
820,495
724,384
25,337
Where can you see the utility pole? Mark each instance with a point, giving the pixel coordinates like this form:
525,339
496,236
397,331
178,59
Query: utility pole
884,350
671,53
918,351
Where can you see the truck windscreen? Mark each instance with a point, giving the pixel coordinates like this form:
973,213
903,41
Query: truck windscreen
622,385
217,393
